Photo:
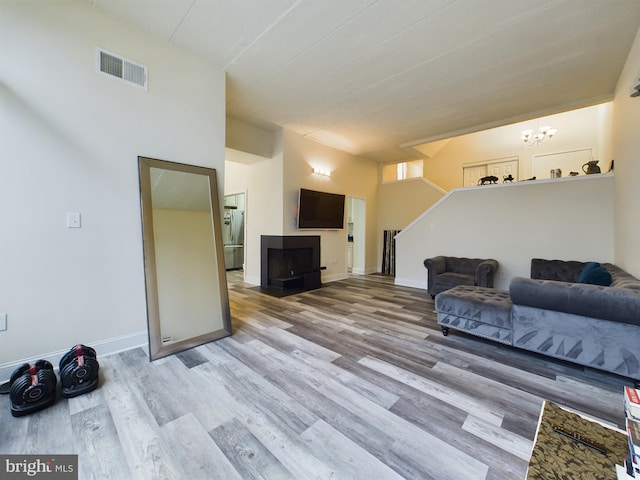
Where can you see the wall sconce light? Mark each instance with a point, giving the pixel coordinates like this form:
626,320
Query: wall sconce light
321,171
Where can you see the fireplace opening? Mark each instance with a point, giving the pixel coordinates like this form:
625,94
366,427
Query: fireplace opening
289,264
288,267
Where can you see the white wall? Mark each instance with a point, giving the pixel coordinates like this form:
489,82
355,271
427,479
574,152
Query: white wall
627,165
70,142
401,202
577,129
272,187
350,175
568,219
262,180
244,137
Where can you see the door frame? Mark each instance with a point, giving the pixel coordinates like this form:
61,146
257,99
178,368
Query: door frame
359,220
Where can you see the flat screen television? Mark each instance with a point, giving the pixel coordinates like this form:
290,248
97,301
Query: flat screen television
320,210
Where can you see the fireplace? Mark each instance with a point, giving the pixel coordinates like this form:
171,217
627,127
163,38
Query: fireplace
289,264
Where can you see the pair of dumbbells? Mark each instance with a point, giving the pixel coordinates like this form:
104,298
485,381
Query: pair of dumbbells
33,386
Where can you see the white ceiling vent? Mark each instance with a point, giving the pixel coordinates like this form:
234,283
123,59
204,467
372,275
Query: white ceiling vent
119,67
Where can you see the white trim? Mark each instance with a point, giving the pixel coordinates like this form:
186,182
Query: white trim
102,347
365,271
410,283
422,179
334,278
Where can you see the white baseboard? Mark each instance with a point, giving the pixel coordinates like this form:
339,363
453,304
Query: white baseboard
334,277
252,280
102,348
364,271
403,282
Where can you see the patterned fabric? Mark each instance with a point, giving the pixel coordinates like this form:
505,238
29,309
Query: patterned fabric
601,344
482,311
555,456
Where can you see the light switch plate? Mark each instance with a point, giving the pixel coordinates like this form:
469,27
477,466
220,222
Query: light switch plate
3,321
73,220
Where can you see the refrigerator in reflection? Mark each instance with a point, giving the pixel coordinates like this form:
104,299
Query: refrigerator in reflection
233,237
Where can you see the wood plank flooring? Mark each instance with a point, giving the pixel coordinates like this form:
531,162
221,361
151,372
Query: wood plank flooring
351,381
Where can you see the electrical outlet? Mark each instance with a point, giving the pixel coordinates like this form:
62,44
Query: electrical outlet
3,321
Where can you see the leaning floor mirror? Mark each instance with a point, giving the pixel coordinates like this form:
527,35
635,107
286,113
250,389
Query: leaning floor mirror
187,298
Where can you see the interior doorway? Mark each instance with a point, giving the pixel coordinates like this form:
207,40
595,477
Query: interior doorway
356,222
233,226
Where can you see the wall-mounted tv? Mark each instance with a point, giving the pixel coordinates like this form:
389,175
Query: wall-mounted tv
320,210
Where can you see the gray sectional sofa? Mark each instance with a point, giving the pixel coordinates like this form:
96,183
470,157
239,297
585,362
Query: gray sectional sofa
550,313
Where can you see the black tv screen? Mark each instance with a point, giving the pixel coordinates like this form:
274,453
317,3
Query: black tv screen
320,210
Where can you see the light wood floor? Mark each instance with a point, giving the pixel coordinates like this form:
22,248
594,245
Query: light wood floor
351,381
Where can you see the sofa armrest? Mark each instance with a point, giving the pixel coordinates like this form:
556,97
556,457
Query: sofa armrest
436,264
606,303
485,272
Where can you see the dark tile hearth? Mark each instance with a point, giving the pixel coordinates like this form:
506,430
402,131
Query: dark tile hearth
279,292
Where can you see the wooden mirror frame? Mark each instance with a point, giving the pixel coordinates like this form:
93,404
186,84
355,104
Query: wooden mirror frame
158,348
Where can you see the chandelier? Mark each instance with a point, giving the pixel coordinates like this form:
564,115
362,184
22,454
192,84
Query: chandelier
544,135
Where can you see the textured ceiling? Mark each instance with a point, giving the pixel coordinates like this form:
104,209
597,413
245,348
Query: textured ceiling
374,77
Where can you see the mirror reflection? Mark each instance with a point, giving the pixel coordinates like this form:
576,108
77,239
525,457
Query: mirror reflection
186,286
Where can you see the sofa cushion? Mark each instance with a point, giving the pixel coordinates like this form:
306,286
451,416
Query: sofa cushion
608,303
453,279
595,274
479,304
465,266
481,311
560,270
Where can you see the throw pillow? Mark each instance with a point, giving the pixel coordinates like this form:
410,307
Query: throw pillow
586,270
597,275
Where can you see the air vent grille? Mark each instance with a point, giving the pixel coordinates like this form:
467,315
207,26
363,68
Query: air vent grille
135,73
121,68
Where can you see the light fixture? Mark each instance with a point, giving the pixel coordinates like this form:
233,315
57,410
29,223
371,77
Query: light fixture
545,134
321,171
